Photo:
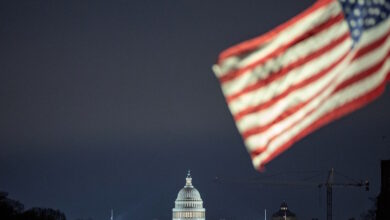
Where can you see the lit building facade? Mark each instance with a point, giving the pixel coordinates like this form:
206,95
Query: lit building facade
188,204
284,213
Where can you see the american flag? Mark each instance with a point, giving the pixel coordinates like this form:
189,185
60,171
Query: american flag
329,60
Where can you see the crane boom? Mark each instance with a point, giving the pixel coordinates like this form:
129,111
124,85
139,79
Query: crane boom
329,184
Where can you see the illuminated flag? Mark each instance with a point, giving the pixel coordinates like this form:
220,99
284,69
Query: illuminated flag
322,64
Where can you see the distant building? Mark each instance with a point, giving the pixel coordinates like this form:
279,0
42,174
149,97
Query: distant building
189,204
383,212
284,213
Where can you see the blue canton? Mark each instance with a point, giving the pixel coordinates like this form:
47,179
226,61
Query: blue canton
364,14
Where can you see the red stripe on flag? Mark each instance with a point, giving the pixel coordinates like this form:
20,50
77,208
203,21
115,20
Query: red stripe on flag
253,43
388,77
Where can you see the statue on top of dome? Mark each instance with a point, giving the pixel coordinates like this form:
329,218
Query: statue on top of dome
189,179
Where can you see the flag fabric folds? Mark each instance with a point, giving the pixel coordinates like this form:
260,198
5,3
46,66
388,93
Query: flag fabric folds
329,60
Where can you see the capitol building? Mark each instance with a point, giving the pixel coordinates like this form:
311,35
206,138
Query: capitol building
188,204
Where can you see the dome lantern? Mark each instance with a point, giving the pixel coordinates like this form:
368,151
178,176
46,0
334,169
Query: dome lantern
189,179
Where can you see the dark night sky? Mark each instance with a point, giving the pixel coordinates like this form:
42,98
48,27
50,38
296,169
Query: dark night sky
106,104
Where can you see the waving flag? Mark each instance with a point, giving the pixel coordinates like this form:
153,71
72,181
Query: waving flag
322,64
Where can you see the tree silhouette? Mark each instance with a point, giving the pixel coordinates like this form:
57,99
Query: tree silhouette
42,214
9,209
370,214
14,210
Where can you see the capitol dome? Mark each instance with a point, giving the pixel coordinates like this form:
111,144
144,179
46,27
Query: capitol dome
188,204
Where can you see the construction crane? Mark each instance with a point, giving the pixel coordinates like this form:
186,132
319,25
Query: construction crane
329,184
329,190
